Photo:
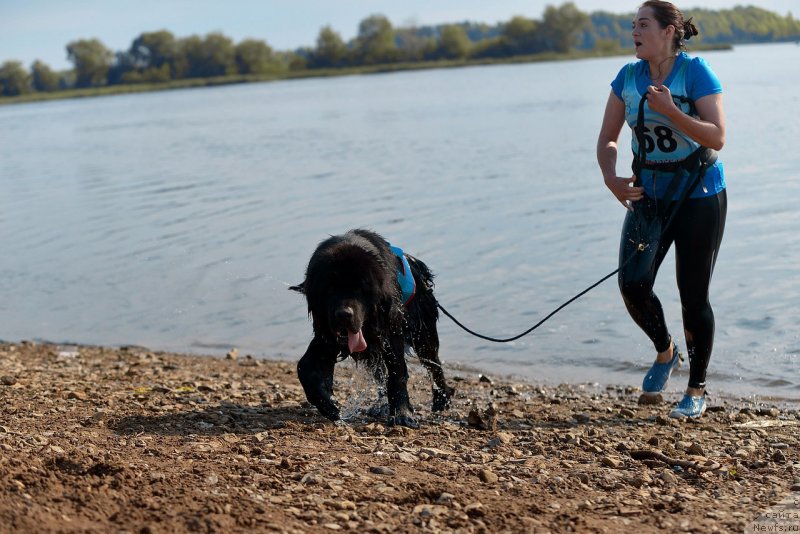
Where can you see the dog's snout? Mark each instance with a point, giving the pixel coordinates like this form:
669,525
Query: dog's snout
344,313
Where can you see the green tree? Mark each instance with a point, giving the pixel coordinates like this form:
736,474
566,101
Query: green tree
522,36
454,43
213,55
154,50
43,78
254,57
14,79
92,60
375,42
416,45
124,69
562,26
330,51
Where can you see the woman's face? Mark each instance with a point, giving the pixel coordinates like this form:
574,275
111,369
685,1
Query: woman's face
650,40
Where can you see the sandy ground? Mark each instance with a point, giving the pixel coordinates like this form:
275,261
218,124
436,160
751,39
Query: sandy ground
128,440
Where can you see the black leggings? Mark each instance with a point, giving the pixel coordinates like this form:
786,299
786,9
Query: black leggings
696,231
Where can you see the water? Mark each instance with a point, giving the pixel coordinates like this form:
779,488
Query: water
176,220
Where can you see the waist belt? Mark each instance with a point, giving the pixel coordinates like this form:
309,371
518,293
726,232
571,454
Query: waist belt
695,165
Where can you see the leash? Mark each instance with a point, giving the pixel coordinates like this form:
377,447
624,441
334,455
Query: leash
704,162
540,323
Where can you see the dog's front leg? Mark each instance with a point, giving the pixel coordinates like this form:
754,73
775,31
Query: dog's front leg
315,370
400,410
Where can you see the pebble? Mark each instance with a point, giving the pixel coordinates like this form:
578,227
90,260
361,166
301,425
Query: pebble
8,380
445,498
695,449
505,437
583,477
779,457
582,417
769,412
407,457
474,509
649,400
428,510
381,470
345,505
487,476
608,461
627,412
668,477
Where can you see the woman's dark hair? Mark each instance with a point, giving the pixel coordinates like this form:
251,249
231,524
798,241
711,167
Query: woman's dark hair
667,14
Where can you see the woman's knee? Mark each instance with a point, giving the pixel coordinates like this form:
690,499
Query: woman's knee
635,288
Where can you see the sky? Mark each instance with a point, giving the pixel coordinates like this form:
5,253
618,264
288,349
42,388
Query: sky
41,29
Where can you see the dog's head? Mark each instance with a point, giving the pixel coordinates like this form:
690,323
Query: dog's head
347,283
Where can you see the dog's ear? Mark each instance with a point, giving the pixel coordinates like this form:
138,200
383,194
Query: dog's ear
300,288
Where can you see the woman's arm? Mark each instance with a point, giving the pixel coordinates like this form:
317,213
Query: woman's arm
607,142
708,129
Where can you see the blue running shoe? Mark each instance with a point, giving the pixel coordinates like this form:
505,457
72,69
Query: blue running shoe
657,377
690,407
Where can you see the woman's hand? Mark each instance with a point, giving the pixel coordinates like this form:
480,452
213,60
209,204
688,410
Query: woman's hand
624,190
660,100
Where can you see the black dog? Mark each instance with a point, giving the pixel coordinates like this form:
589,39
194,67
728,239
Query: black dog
356,306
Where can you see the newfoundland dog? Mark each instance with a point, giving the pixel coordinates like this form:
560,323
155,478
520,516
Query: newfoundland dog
368,300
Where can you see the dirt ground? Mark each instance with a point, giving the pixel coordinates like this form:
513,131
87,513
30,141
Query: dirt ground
97,439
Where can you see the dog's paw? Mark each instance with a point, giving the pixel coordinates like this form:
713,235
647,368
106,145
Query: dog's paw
329,410
378,411
402,420
441,399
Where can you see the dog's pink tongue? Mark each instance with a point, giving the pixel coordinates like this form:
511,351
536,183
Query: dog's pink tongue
356,341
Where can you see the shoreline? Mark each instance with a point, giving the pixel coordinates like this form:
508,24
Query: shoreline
104,439
729,398
382,68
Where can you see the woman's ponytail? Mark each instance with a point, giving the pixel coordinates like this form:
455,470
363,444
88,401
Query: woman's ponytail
689,29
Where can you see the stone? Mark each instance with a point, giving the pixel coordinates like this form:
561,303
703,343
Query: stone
381,470
650,400
445,498
582,417
668,477
487,476
474,509
695,449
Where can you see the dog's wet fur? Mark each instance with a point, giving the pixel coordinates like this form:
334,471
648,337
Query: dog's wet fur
355,305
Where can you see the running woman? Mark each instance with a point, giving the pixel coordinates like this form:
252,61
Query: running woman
676,193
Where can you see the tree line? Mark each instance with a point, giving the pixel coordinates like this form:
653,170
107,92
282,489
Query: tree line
161,57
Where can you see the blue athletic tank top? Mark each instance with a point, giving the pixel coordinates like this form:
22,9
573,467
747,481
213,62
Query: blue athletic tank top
691,78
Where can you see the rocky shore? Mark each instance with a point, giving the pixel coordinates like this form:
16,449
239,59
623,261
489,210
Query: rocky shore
97,439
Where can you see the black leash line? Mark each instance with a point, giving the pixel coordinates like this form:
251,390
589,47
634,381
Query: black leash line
641,156
640,247
540,323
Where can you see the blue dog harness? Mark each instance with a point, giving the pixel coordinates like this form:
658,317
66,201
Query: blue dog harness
408,286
